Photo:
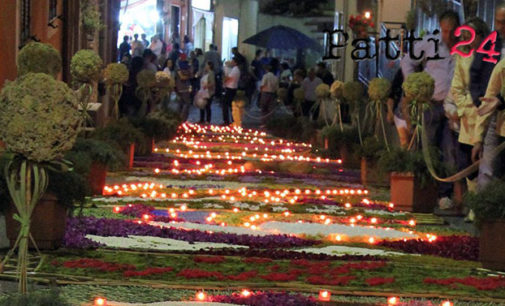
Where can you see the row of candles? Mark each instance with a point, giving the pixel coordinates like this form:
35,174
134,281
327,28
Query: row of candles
152,190
324,296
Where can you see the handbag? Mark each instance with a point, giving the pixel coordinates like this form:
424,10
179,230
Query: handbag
201,99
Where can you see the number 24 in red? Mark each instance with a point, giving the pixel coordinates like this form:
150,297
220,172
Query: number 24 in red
490,39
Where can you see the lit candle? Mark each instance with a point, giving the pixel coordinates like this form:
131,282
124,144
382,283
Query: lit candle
393,300
324,295
99,301
201,296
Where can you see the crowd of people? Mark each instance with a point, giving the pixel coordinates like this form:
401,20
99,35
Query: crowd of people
465,118
203,78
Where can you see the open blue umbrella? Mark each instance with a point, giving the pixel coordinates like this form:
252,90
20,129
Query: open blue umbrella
284,38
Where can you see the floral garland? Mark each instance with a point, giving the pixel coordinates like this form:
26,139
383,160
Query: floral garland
266,299
96,264
275,254
377,281
209,259
103,266
78,228
486,283
455,247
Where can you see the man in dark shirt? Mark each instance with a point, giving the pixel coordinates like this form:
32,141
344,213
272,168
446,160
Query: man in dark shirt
324,74
124,48
257,66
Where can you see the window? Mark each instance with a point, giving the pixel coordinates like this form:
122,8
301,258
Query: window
25,15
201,4
230,37
53,9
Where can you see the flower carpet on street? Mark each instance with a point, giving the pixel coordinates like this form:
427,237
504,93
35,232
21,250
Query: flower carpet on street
234,216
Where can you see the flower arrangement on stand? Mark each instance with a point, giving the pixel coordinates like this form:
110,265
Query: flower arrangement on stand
360,25
146,80
378,91
51,109
38,57
353,95
336,91
86,69
115,76
327,109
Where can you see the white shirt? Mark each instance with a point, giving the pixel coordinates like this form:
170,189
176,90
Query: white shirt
156,47
309,88
269,83
233,77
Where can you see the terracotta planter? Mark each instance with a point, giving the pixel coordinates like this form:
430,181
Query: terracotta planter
349,160
408,195
96,177
130,154
146,147
370,174
317,139
47,227
492,244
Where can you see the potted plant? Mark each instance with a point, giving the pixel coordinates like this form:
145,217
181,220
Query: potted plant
370,152
290,127
157,126
41,121
489,208
64,191
92,158
412,186
122,134
341,143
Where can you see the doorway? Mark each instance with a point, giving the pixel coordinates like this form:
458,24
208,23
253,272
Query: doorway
230,37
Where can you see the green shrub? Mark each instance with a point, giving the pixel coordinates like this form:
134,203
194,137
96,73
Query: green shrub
120,133
98,151
287,126
158,125
36,298
399,160
371,149
70,187
337,139
489,203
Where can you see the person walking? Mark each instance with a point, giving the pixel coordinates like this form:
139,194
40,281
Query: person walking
124,48
231,79
208,85
268,87
144,40
309,85
182,88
